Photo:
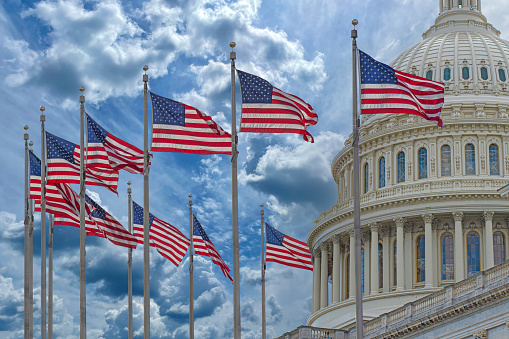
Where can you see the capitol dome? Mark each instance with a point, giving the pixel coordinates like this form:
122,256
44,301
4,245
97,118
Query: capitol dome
431,215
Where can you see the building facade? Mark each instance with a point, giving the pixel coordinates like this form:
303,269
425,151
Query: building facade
430,212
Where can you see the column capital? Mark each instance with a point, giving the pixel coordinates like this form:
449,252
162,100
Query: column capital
317,253
458,216
366,236
428,218
374,226
385,231
400,222
324,246
488,215
351,232
336,239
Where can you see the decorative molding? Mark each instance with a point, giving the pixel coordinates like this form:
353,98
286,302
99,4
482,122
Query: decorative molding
324,246
428,218
351,232
385,231
482,334
336,239
409,227
488,215
400,222
317,253
375,226
458,216
366,237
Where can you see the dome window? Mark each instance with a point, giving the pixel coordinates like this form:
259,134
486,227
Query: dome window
493,156
501,75
473,253
401,167
484,73
366,178
429,75
423,163
447,74
381,172
469,159
446,160
466,73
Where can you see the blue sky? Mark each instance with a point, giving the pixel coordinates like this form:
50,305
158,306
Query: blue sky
51,48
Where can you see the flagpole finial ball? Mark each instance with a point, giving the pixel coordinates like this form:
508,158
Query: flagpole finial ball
145,68
355,22
262,205
129,183
25,127
31,143
42,108
82,89
233,44
190,195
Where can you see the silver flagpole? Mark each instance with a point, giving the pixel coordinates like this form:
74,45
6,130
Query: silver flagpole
356,190
129,268
146,246
191,252
264,327
235,207
43,226
26,276
83,280
30,264
50,278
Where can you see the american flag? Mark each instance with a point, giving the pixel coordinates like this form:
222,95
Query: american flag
35,178
107,151
386,90
286,250
504,191
64,165
111,228
266,109
182,128
204,246
167,239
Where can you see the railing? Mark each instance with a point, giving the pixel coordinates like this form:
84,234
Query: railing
451,294
309,332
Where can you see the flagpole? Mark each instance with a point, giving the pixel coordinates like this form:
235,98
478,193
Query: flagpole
235,206
43,226
264,329
50,279
26,276
356,186
30,263
83,286
191,251
146,246
129,268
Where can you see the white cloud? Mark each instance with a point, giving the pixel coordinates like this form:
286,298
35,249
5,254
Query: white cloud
9,227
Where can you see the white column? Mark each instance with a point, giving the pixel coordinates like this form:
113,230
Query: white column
459,261
400,255
488,239
366,241
316,280
374,258
386,259
479,5
336,269
441,5
324,275
351,273
428,249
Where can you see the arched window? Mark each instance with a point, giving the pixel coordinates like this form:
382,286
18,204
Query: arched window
395,263
401,167
366,178
445,153
423,163
380,266
484,73
501,75
347,269
446,243
421,266
429,75
473,256
469,159
447,74
466,73
494,168
381,172
499,247
362,269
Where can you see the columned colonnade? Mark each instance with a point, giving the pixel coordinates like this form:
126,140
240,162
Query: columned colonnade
390,251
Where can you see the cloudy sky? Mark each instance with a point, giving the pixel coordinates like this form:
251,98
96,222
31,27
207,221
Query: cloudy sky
49,49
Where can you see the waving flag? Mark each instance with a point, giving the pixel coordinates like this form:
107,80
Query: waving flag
35,178
64,165
386,90
182,128
107,151
204,246
167,239
111,228
266,109
286,250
